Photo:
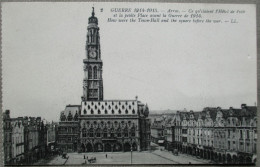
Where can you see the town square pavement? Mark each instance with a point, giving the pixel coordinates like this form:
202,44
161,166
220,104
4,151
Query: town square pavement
145,157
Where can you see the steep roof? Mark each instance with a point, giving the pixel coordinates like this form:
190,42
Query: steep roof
73,109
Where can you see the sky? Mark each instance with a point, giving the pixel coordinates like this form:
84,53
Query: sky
167,65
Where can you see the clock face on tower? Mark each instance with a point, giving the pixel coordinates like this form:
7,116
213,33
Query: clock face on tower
92,54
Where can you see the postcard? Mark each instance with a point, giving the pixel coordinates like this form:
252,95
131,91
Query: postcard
113,83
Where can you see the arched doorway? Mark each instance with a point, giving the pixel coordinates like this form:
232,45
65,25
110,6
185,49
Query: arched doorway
83,148
108,147
201,153
216,157
193,151
117,147
205,155
219,158
234,159
224,158
208,155
248,160
127,147
89,148
212,155
241,160
98,147
229,160
134,147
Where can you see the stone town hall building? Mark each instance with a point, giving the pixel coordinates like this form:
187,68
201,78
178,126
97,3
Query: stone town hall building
102,125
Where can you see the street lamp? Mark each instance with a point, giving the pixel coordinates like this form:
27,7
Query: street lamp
131,153
131,149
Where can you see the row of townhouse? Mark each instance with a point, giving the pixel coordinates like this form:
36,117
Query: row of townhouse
219,135
25,139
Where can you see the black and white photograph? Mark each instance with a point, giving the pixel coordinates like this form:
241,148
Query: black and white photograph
129,83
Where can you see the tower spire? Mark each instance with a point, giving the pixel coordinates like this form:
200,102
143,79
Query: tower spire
92,81
93,11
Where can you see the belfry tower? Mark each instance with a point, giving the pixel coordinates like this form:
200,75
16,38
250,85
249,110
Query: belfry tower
93,82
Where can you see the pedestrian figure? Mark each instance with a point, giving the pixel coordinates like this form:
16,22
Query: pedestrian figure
87,157
106,155
84,157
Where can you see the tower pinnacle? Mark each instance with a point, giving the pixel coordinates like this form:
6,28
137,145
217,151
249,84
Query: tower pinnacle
93,12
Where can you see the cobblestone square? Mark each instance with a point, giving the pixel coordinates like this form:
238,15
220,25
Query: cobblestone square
155,157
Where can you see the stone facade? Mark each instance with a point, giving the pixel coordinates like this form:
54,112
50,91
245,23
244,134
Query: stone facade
68,129
7,126
17,141
93,81
114,125
102,125
52,137
25,139
220,135
158,129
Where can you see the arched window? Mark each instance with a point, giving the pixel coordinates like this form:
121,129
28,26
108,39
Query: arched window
133,132
112,133
85,111
126,133
92,112
105,133
98,133
91,133
90,72
84,134
119,133
95,72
